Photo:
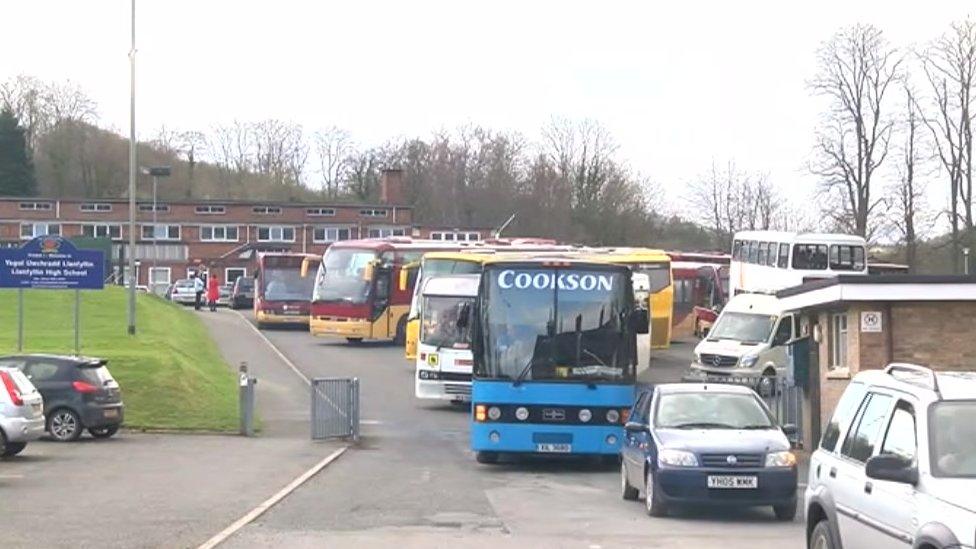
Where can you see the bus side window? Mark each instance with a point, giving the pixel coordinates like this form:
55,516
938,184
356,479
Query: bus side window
753,250
784,256
761,255
737,250
771,255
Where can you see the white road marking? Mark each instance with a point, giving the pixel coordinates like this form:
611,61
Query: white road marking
270,502
11,477
281,355
294,368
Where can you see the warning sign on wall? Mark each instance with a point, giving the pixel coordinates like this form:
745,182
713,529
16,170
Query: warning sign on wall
870,321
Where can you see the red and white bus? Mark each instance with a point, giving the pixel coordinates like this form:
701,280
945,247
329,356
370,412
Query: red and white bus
282,290
701,288
356,295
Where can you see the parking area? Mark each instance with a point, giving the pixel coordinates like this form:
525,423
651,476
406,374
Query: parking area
411,481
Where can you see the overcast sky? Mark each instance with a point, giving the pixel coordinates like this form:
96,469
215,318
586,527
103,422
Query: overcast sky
677,83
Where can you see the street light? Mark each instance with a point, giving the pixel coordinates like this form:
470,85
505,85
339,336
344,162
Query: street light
156,172
132,177
965,261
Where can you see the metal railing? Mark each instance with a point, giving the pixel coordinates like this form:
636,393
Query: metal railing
335,408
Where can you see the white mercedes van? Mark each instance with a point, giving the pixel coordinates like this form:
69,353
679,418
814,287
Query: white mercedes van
748,340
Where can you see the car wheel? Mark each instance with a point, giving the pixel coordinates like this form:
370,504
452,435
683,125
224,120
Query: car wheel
486,457
64,425
103,432
627,491
767,384
653,501
785,512
820,536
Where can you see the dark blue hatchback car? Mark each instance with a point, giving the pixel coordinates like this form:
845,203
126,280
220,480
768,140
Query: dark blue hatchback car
692,443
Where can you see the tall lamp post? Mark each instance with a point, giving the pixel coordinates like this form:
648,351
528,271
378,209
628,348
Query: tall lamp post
156,172
965,261
132,177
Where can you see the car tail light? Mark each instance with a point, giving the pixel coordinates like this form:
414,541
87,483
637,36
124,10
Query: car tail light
12,390
83,387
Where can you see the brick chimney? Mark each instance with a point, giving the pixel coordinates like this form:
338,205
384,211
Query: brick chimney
391,187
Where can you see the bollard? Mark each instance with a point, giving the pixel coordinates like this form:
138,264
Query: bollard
246,385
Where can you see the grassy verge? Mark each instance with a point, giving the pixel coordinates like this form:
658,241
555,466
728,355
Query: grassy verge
171,372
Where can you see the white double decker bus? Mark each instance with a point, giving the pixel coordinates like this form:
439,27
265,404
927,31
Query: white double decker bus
768,261
444,359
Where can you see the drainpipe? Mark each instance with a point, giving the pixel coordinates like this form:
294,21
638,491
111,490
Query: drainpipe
304,237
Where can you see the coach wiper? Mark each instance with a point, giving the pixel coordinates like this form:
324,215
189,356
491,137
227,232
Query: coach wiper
524,372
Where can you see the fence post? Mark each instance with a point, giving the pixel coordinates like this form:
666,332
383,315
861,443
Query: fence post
246,401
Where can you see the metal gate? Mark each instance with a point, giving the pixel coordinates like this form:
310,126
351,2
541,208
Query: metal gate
335,408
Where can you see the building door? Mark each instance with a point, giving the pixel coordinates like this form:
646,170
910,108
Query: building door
159,280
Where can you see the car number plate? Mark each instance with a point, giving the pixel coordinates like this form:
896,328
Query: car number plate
554,448
111,413
731,481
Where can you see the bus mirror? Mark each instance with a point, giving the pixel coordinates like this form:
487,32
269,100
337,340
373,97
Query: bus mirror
404,275
305,265
368,271
640,321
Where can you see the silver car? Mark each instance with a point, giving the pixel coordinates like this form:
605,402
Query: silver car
21,412
184,292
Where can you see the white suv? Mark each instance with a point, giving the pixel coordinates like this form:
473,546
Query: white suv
897,463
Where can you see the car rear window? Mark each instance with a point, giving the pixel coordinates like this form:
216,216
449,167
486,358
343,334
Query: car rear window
96,376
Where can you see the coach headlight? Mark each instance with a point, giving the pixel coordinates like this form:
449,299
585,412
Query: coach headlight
613,416
585,415
494,413
521,413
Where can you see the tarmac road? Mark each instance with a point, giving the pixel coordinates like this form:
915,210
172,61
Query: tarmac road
413,482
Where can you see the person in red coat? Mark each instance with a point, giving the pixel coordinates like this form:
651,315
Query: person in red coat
213,291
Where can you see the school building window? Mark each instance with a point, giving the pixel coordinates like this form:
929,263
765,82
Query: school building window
91,207
161,232
102,231
218,233
33,230
276,234
330,234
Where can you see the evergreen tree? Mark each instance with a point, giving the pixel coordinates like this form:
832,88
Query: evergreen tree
16,168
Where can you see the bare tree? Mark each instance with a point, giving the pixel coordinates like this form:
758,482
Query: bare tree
280,151
907,195
40,105
731,201
949,64
333,147
857,69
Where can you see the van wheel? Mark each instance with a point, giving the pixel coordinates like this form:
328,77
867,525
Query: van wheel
767,384
820,536
64,425
401,331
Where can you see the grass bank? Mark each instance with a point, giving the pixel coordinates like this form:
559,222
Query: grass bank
171,372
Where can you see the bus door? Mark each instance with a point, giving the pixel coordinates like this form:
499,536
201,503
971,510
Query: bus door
380,278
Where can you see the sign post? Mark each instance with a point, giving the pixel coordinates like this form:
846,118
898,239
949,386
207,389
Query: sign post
51,263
